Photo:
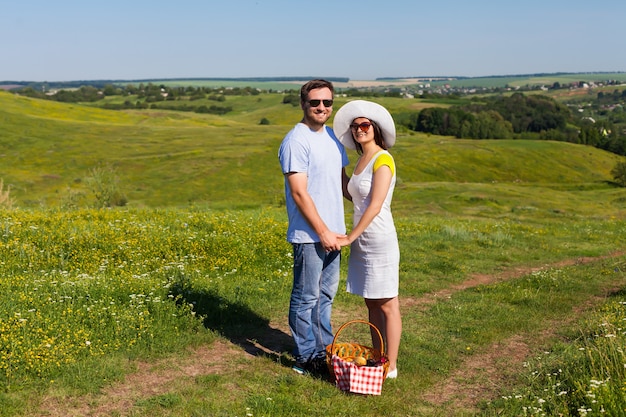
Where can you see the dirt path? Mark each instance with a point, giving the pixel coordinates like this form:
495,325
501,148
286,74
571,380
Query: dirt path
147,380
482,375
479,378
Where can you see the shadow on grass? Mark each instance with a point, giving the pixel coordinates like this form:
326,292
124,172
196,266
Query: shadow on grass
617,292
236,322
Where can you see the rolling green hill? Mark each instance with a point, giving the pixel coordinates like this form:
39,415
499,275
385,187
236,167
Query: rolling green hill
48,151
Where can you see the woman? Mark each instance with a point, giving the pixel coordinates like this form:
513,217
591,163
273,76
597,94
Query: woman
373,269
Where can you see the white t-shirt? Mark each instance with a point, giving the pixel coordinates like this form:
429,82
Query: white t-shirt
321,156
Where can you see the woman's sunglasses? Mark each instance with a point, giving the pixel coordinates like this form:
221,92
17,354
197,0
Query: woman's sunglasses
316,102
365,126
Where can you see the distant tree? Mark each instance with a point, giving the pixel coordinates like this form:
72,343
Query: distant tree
31,92
197,95
589,134
213,109
491,125
619,173
221,110
292,99
429,120
131,89
461,124
618,115
111,90
440,121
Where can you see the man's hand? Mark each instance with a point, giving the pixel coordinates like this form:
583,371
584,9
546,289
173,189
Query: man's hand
330,241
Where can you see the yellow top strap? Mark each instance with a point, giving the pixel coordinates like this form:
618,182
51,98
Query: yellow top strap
385,159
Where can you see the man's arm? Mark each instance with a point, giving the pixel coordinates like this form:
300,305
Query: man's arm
344,184
298,185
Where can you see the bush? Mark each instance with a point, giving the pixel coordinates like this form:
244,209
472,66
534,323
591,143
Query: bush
104,184
619,173
292,99
5,198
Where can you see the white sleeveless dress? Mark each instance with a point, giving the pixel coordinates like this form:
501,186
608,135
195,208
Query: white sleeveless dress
373,268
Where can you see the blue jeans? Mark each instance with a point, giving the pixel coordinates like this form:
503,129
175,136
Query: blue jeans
315,283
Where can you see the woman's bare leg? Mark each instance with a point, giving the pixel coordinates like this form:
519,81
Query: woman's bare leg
385,315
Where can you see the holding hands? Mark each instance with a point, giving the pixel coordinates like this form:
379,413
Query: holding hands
332,241
345,240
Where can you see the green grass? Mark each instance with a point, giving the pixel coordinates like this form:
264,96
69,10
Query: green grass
199,256
82,289
582,375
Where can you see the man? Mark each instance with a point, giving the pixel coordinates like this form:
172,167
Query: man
313,162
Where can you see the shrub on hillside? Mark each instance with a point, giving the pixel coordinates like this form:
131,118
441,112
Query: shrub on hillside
104,184
619,173
5,198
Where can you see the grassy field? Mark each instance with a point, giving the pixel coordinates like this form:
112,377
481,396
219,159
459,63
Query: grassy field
512,272
167,158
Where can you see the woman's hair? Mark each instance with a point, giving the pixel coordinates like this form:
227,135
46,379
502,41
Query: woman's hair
378,138
312,85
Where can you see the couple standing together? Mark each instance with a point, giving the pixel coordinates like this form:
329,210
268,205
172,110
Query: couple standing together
313,160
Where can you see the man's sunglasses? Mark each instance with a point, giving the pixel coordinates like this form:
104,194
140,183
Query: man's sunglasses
365,126
315,103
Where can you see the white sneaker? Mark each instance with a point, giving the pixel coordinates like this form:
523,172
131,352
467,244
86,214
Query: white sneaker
392,374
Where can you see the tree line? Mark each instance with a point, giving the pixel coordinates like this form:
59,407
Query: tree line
146,96
518,116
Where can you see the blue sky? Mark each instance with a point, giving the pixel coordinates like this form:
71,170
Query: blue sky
63,40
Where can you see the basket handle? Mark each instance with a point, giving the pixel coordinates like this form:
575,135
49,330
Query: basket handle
382,342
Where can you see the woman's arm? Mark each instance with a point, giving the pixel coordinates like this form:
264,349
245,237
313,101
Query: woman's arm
381,182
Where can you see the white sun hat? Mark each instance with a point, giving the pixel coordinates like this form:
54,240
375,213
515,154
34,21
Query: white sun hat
368,109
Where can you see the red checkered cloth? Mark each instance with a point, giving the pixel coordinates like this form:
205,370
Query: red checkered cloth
358,379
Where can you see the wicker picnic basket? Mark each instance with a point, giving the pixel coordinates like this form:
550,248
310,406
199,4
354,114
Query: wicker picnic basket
350,351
